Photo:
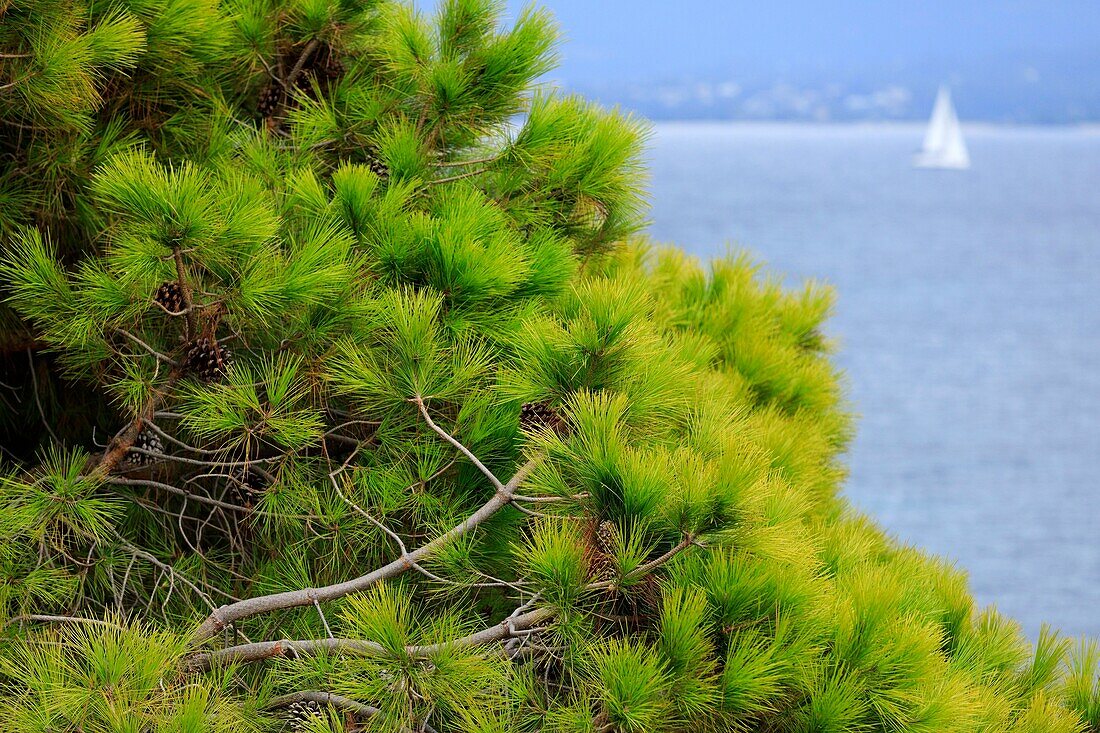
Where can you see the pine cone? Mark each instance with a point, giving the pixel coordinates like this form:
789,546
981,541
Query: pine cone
146,440
170,297
328,63
322,66
270,98
247,487
589,214
299,714
538,416
376,165
603,538
208,359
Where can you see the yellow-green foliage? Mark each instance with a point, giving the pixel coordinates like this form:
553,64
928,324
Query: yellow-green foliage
801,615
105,675
469,455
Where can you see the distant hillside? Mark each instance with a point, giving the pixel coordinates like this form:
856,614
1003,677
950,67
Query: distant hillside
1023,88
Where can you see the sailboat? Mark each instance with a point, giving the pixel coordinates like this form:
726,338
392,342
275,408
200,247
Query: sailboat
944,146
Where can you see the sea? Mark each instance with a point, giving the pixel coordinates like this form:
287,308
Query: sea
967,324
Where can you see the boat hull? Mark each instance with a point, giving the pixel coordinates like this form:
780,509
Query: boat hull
924,160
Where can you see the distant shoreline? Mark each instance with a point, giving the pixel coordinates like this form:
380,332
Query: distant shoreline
1090,128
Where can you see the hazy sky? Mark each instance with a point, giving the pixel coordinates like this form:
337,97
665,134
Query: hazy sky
1034,61
646,39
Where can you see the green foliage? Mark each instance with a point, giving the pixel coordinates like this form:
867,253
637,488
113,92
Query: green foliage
110,676
57,505
329,306
631,683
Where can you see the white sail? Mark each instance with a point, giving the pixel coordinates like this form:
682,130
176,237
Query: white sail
944,146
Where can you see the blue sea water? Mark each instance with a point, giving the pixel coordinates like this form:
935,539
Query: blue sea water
968,321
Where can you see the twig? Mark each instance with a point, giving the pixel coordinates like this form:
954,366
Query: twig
645,568
183,312
323,619
474,161
495,583
38,399
176,441
457,177
188,294
18,81
149,483
529,512
461,448
377,523
43,618
206,464
545,499
297,70
161,357
172,572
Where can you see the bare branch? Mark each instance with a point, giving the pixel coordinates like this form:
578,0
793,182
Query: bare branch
43,618
160,357
188,294
457,177
183,312
377,523
292,78
472,161
38,398
324,698
547,499
18,81
264,650
516,625
648,567
206,464
186,494
172,572
461,448
226,615
176,441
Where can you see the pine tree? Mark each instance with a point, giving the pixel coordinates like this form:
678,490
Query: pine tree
341,394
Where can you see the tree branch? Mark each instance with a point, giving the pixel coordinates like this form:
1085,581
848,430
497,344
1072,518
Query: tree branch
122,442
188,294
297,70
285,648
160,357
199,498
228,614
648,567
457,177
324,698
38,398
48,619
461,448
506,629
138,552
474,161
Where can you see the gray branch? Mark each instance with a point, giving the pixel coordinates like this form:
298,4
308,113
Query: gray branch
222,617
286,648
324,698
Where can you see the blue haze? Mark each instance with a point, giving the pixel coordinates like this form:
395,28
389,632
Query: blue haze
1009,60
968,321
